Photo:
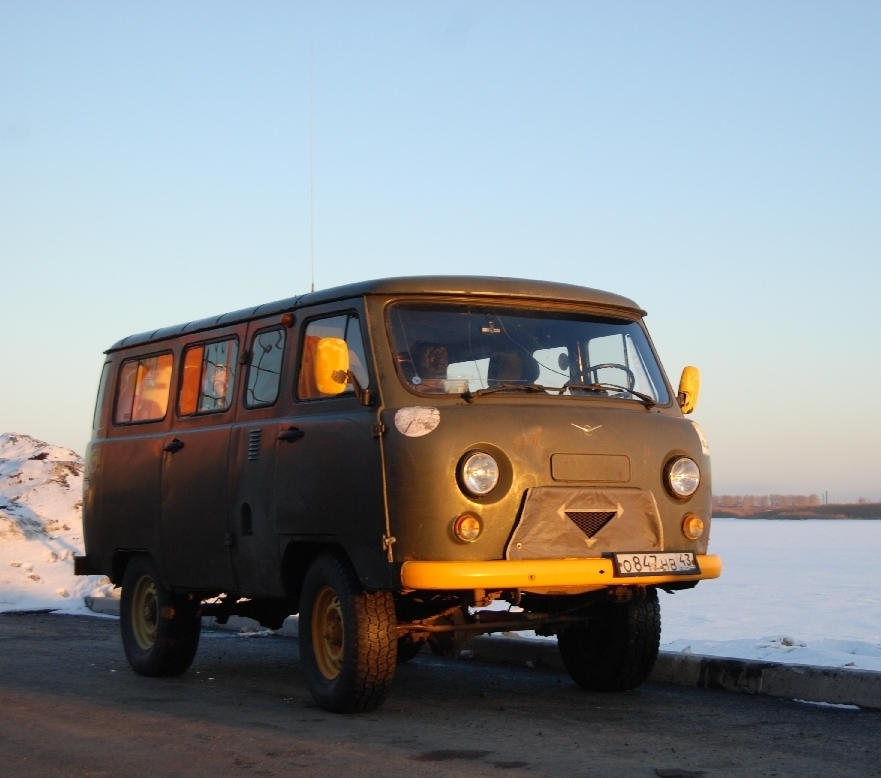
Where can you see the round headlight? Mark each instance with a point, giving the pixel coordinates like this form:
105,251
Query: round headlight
479,473
683,477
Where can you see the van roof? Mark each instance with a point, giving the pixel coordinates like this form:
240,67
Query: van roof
477,286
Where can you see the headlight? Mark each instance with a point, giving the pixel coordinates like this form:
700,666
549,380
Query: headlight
683,477
479,473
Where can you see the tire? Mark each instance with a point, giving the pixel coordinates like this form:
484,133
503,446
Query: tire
407,649
348,638
616,649
160,630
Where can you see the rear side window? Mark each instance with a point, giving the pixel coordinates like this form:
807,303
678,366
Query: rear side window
144,385
264,368
208,377
345,328
99,415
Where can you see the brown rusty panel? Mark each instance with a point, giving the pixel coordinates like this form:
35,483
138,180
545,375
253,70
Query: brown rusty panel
611,468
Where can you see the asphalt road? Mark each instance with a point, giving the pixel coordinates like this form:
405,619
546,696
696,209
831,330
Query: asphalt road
70,706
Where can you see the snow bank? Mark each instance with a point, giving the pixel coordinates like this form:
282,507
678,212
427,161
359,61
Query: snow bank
41,527
810,585
857,654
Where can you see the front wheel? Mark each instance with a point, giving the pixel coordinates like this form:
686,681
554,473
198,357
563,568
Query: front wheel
616,649
348,638
160,630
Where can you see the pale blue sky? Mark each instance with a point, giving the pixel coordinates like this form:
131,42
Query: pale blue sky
719,163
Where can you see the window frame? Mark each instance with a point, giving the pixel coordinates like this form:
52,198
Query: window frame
257,333
304,326
117,387
578,309
183,355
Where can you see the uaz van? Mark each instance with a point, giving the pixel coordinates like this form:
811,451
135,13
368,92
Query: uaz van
401,462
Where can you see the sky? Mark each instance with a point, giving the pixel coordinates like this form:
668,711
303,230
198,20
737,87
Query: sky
719,163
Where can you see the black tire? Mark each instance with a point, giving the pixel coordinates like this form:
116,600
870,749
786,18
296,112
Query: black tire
407,649
160,630
348,638
616,650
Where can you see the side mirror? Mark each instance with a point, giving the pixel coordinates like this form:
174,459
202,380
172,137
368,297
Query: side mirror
689,389
331,366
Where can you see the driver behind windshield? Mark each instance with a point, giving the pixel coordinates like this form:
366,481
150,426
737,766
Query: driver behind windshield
431,362
511,367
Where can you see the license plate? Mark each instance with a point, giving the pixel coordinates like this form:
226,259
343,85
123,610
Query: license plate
676,563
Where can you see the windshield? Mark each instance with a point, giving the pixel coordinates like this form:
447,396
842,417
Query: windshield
459,349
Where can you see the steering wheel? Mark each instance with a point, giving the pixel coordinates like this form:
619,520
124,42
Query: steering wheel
631,379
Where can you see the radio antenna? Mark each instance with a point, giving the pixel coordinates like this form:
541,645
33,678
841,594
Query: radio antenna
312,161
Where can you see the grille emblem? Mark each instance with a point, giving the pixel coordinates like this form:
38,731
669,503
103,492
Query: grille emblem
587,429
590,522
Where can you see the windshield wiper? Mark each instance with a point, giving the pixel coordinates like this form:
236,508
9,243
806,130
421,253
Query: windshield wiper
469,395
599,387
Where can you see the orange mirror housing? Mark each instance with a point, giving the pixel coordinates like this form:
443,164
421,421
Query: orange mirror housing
689,389
331,366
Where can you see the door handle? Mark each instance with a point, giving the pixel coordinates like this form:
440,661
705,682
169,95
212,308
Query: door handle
173,445
291,434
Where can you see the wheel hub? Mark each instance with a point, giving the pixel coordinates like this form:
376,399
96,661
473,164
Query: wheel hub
328,639
145,612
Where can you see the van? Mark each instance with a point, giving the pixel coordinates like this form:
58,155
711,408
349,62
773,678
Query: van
401,462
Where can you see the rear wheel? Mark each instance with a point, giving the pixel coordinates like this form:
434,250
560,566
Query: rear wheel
348,638
616,650
160,630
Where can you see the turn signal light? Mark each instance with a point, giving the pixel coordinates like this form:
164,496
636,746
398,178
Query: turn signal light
467,527
692,527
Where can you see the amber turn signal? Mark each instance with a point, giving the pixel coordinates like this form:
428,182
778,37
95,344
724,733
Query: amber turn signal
467,528
692,527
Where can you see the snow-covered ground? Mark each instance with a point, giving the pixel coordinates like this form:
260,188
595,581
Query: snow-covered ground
41,527
804,592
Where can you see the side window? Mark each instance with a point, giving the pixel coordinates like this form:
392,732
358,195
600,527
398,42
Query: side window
264,367
208,377
144,385
345,328
99,416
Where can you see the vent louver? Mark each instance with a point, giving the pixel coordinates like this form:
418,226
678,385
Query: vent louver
590,522
254,445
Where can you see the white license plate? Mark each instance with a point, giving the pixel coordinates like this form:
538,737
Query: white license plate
677,563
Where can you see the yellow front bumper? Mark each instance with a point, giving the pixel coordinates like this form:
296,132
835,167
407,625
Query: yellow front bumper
539,574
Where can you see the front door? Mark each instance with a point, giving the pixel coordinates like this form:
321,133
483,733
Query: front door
328,474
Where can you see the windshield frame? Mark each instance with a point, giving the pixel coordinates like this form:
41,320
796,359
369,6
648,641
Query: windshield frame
538,305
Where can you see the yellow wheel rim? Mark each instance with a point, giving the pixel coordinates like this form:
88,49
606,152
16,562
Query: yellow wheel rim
327,633
145,612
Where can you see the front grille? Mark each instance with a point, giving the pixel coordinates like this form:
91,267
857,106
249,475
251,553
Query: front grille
254,445
590,522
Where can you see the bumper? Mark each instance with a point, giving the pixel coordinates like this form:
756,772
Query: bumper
539,574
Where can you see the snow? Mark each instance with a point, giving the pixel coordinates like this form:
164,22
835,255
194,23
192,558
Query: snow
41,527
801,592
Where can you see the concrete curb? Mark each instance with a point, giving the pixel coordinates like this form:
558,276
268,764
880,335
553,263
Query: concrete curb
840,686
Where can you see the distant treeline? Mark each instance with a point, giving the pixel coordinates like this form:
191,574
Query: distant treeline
791,506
